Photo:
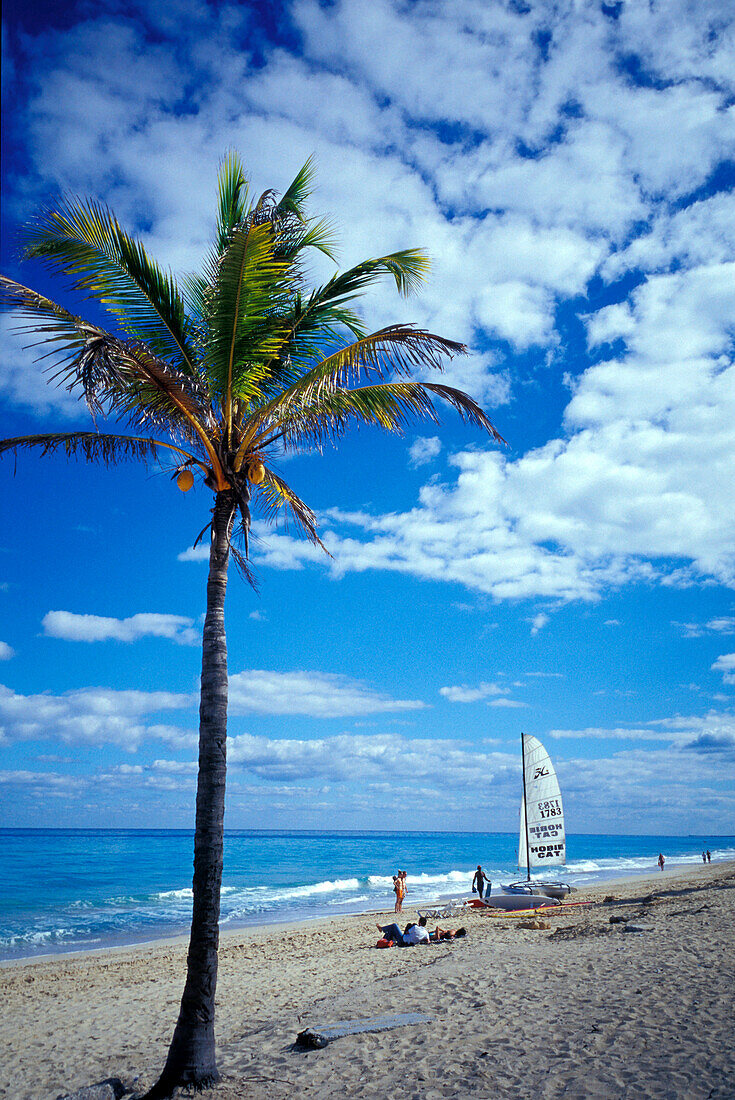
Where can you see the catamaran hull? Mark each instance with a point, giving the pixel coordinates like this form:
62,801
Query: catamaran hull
557,890
515,902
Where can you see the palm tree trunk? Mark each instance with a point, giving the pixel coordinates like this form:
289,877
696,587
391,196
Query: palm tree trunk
191,1057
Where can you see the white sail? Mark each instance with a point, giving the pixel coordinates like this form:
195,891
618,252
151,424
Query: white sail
546,838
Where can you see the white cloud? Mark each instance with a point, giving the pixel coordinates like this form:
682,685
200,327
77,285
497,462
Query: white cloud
422,450
538,622
464,694
369,759
316,694
99,628
726,665
6,651
723,625
710,732
87,716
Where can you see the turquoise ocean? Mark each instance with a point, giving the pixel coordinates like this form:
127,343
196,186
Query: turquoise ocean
78,889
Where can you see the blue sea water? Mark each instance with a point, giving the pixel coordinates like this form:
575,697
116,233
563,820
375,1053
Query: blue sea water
75,889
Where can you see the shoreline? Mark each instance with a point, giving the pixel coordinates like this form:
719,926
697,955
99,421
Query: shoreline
290,923
621,1015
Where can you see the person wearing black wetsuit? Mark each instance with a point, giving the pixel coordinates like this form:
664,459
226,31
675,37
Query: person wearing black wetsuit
478,882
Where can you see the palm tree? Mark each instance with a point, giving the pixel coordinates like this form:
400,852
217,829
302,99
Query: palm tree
216,374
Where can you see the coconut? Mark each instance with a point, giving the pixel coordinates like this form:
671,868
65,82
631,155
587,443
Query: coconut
185,480
256,472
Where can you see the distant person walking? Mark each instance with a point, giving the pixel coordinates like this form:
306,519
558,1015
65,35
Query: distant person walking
478,882
704,857
661,860
709,856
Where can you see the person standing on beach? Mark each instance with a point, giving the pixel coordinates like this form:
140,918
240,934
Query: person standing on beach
709,856
704,857
661,860
478,882
398,891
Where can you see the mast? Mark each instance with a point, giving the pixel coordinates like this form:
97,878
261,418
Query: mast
525,809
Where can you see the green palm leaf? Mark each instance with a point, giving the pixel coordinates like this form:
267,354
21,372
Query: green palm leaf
389,405
398,349
233,194
84,240
250,294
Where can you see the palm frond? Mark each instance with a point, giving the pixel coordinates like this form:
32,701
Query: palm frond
389,405
114,375
276,497
107,370
467,408
398,349
85,241
83,353
233,195
91,446
251,292
408,268
294,197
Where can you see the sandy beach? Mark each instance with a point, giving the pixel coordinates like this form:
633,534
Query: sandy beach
580,1010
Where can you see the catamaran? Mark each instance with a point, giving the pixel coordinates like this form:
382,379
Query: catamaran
541,841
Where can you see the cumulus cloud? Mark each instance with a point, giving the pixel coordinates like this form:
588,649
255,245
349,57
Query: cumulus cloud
96,716
316,694
726,665
6,651
87,716
422,450
99,628
465,694
369,759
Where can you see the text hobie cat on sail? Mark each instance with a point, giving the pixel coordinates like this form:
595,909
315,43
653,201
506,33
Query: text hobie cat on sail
541,841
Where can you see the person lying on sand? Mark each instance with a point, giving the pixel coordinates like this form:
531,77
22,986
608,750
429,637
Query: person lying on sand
411,934
446,934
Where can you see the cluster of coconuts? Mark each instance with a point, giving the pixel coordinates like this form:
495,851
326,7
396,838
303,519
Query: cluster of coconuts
255,475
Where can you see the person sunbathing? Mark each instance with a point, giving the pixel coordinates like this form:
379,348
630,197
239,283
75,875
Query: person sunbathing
411,934
440,934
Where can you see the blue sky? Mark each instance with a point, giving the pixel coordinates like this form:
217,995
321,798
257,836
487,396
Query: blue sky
569,167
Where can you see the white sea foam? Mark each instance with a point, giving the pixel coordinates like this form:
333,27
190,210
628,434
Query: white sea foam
38,937
326,887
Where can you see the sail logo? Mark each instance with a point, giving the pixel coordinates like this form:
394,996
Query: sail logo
540,772
547,851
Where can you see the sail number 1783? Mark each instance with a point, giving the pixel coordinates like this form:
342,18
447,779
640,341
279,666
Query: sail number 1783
551,808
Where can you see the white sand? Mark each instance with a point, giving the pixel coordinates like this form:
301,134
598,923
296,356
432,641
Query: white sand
586,1011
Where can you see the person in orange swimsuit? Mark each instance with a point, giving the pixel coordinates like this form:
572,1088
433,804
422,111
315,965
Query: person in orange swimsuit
402,881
